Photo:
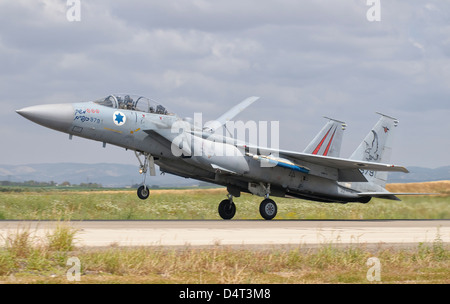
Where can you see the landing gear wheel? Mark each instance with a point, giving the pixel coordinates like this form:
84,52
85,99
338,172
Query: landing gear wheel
227,209
365,199
143,192
268,209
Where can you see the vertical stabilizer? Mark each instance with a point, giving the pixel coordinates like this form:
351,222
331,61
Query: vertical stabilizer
376,147
328,141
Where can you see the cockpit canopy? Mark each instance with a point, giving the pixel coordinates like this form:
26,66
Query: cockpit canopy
133,102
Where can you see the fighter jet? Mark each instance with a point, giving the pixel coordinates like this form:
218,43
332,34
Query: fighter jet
182,147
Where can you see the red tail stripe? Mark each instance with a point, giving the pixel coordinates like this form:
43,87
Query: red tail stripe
321,143
329,144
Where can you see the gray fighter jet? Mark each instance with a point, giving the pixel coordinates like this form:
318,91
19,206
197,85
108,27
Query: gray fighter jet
181,147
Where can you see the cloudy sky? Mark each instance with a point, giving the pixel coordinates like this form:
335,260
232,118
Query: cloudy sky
305,59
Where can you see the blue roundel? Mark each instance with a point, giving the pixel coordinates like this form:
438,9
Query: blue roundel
119,118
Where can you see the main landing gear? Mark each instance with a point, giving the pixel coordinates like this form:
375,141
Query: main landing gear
227,208
268,208
143,191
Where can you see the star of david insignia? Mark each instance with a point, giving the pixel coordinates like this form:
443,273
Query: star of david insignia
119,118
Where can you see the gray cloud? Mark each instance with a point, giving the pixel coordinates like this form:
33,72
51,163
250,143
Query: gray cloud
305,59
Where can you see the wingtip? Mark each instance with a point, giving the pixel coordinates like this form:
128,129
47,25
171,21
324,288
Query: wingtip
254,98
399,168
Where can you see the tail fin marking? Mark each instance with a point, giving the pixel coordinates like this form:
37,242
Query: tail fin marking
376,147
328,141
321,143
329,144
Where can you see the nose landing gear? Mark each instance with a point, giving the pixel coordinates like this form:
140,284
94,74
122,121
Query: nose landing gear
143,191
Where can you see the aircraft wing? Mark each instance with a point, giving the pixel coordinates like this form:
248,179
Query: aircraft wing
347,170
344,164
334,162
229,115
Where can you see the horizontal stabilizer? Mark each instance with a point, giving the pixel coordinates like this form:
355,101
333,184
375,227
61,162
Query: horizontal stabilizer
383,195
391,196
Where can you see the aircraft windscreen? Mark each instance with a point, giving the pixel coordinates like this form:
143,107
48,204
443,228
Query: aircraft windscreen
134,103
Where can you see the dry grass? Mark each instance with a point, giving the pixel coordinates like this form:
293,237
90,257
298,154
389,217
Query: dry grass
23,260
441,187
230,266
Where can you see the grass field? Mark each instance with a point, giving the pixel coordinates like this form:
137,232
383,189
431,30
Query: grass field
202,204
23,260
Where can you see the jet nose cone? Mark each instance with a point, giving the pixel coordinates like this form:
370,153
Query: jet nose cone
55,116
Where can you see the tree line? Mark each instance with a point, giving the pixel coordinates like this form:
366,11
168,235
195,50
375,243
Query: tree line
33,183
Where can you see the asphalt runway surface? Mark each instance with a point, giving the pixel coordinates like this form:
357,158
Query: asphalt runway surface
244,233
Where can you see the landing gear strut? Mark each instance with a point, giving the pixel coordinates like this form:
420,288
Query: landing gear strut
143,191
227,208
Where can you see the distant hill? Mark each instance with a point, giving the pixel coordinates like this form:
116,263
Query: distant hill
419,174
108,175
120,175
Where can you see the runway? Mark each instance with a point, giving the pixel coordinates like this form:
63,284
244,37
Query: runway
237,233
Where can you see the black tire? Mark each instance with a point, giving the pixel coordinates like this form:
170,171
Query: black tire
143,192
268,209
365,199
227,209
